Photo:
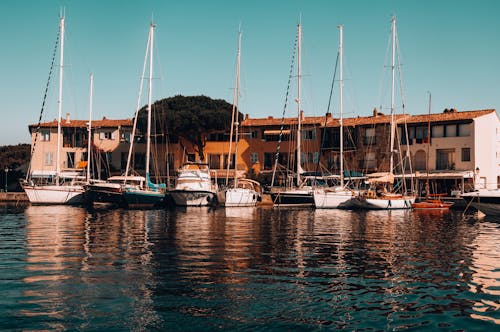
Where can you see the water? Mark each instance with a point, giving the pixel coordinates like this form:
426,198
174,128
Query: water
64,268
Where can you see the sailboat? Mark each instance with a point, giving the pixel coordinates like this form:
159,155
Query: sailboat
301,193
242,192
144,193
432,201
55,187
340,196
381,195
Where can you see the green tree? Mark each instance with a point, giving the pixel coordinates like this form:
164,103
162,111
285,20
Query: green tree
190,117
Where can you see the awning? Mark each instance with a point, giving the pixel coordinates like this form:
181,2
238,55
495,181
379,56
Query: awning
380,178
277,132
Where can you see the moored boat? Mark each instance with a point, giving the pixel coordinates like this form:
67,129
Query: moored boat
194,186
485,200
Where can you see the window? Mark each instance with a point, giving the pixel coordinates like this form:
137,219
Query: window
316,157
232,160
254,134
445,159
370,160
464,129
125,136
369,136
254,157
45,135
465,154
106,135
191,157
451,130
70,159
48,159
309,134
437,131
268,160
420,132
214,161
306,157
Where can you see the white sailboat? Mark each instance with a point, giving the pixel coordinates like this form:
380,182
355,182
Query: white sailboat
55,187
386,199
299,194
340,196
242,192
144,193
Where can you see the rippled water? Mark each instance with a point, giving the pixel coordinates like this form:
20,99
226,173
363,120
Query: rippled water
247,269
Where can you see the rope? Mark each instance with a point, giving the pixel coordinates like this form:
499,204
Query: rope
328,108
44,99
290,75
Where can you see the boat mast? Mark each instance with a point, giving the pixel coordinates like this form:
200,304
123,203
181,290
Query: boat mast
59,100
150,88
341,86
299,119
234,114
392,94
427,186
137,108
89,130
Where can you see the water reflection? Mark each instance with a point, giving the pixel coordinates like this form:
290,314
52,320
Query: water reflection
83,267
245,268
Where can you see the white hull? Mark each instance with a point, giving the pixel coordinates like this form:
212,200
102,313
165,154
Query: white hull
52,194
235,197
193,197
381,203
330,199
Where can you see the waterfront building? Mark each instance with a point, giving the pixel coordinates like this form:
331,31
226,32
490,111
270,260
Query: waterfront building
110,139
462,152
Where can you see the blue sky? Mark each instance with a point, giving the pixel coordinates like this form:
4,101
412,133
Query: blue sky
450,48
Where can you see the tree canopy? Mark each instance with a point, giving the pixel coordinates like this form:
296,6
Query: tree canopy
190,117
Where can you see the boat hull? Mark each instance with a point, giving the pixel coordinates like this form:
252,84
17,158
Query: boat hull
293,198
52,194
143,198
486,201
193,197
236,197
104,194
324,199
432,205
403,202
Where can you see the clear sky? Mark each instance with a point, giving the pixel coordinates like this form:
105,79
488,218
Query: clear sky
448,47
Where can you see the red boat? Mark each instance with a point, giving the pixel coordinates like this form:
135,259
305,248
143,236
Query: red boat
432,202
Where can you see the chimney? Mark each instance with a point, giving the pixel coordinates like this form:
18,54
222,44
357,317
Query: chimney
246,116
67,118
301,115
375,112
328,115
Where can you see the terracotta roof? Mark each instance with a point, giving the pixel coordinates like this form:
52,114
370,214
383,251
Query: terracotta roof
104,123
451,115
271,121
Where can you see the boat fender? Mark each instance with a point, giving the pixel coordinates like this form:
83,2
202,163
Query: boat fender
370,194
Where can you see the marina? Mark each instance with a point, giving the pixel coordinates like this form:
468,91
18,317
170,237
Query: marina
251,176
68,268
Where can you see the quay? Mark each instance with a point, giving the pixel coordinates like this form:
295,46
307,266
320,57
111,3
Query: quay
13,198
